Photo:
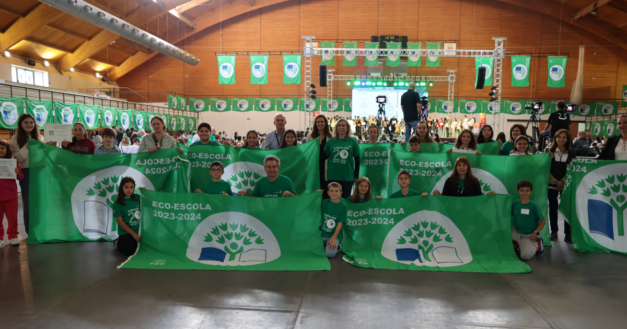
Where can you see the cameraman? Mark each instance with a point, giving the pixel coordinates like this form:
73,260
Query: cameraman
558,120
410,103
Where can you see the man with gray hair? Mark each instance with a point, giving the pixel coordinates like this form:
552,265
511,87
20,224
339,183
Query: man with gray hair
273,185
410,103
273,139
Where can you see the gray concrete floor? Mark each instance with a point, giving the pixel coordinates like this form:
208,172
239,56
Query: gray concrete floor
76,285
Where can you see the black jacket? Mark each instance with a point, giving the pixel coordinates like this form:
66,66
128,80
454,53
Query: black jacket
609,148
471,189
558,169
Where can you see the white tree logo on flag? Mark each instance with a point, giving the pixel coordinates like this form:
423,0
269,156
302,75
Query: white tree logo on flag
607,109
126,122
259,70
393,55
448,106
41,114
108,117
597,128
584,109
226,70
173,123
371,55
183,103
433,55
174,102
291,69
183,124
9,112
67,116
349,55
327,54
265,104
199,105
332,105
625,95
516,107
556,73
221,105
242,105
610,129
140,121
90,117
471,107
494,107
520,72
287,104
191,125
414,56
310,105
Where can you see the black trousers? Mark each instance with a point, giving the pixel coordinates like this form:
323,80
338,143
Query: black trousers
127,244
553,206
347,187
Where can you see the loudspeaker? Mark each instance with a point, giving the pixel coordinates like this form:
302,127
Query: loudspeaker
403,41
480,77
323,75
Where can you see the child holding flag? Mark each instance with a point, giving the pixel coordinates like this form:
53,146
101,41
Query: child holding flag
528,222
217,185
334,215
404,180
126,212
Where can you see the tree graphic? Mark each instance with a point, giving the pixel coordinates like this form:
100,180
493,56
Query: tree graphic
245,181
424,235
610,187
485,188
106,189
234,237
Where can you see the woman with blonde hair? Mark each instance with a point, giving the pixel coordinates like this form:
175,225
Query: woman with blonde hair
342,152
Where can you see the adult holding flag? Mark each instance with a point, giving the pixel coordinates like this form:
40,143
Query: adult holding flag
273,185
410,102
343,153
616,147
158,139
273,139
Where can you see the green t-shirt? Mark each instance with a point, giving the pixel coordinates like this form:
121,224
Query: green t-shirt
211,143
342,153
332,213
508,147
267,189
255,149
399,194
361,200
212,137
527,217
130,214
218,187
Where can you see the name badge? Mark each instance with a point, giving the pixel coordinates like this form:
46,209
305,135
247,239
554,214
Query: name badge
524,211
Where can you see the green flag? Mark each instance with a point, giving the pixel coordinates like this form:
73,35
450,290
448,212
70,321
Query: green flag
520,71
486,62
226,69
394,55
546,108
149,116
557,71
310,105
604,108
265,104
624,100
174,123
182,103
610,128
242,104
350,56
11,109
199,104
193,123
490,148
433,54
173,102
371,58
413,57
230,233
259,69
291,69
288,104
588,125
183,123
490,107
514,107
430,108
166,119
432,234
585,109
597,128
445,106
65,113
139,120
594,203
125,118
41,110
108,117
326,56
467,106
348,105
332,105
89,115
220,104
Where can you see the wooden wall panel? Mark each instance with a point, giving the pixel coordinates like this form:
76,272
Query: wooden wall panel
357,19
398,17
201,79
166,74
319,18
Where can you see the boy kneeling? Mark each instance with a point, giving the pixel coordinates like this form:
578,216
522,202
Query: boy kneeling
528,222
334,214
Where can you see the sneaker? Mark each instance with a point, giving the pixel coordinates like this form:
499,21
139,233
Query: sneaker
15,242
339,247
568,239
540,242
554,236
1,243
516,246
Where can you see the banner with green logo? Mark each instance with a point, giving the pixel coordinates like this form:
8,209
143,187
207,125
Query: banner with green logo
173,102
624,97
108,117
486,62
332,105
42,111
80,189
213,232
220,104
597,128
265,104
445,106
193,123
288,104
490,107
394,54
259,69
585,109
371,58
11,109
199,104
594,202
557,71
226,69
65,113
139,120
310,105
89,115
125,119
610,128
350,56
495,173
174,123
433,233
242,104
348,105
469,106
514,107
433,54
431,106
183,103
149,116
520,71
546,108
607,108
326,56
182,122
413,56
291,69
166,119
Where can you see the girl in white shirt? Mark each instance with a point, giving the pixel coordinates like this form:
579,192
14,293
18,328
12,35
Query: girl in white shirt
521,146
465,143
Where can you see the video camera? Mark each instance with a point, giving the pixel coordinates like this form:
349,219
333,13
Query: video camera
382,99
534,107
571,107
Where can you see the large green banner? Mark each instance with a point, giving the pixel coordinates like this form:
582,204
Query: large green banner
213,232
309,105
486,62
433,54
326,56
80,189
413,54
89,115
514,107
226,69
520,71
585,109
174,123
288,104
220,104
495,173
242,104
108,117
557,71
199,104
350,58
65,113
259,69
434,233
394,55
607,108
173,101
291,69
332,105
41,110
266,104
597,128
371,58
490,107
595,202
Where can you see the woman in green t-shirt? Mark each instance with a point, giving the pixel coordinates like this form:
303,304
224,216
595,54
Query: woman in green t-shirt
126,212
342,151
204,132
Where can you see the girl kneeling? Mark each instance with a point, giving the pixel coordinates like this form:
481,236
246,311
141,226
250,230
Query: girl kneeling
127,213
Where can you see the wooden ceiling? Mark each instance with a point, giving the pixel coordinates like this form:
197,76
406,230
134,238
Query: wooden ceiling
31,29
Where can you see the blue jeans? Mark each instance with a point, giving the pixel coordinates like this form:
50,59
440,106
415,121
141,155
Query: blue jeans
408,127
330,252
24,190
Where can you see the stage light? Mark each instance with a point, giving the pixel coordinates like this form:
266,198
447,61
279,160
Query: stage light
348,83
363,83
312,86
7,54
97,75
430,83
71,69
492,99
379,83
491,94
46,63
423,84
356,82
368,83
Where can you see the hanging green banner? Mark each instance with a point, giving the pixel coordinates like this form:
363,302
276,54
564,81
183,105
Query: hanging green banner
108,117
394,54
291,69
332,105
310,105
226,69
490,107
467,106
413,54
182,103
41,110
89,115
242,104
65,113
514,107
139,120
557,71
81,189
149,116
445,106
610,128
259,69
432,234
348,105
594,202
433,54
597,128
288,104
11,109
605,108
545,108
486,62
182,123
166,118
520,71
192,123
173,102
585,109
174,123
350,56
624,99
220,104
266,104
199,104
125,119
326,55
371,58
430,108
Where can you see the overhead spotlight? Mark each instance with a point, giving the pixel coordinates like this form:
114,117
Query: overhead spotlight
492,99
313,97
104,79
71,69
312,86
430,83
313,92
594,11
493,88
368,83
46,63
30,62
363,83
97,75
7,54
348,83
492,94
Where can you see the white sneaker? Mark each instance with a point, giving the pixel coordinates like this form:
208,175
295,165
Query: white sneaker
15,242
1,244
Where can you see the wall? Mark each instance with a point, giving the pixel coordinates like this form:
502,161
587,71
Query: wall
471,24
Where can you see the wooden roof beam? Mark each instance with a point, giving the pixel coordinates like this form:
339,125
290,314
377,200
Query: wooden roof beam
183,19
104,62
23,27
192,4
618,5
60,29
589,8
49,45
134,45
11,11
